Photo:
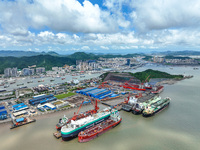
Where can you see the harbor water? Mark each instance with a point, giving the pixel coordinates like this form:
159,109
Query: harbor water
175,128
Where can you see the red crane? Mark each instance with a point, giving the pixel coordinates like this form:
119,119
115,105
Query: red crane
76,113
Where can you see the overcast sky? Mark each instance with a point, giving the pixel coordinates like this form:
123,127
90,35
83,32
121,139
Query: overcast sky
108,26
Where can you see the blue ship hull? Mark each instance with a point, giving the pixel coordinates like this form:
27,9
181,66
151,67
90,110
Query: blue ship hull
67,137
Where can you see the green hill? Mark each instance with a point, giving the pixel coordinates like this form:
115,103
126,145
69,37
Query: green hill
46,61
142,76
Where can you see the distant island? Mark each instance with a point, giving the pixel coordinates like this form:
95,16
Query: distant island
139,77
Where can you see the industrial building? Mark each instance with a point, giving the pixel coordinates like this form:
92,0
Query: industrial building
23,112
19,107
96,92
47,106
3,112
41,99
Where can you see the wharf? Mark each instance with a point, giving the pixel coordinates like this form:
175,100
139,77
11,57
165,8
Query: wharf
57,134
117,106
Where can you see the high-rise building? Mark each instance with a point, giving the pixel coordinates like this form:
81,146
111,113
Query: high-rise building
28,71
128,61
40,70
10,72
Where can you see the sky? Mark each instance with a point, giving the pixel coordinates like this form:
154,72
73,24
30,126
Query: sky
99,26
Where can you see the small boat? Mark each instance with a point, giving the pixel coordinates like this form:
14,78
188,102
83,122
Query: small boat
5,86
63,78
30,81
40,80
93,132
13,82
20,84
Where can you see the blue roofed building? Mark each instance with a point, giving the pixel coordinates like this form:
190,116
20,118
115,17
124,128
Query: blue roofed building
42,99
19,107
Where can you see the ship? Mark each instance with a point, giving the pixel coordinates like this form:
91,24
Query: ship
128,105
20,84
134,87
93,132
72,129
63,78
30,81
139,107
156,107
65,120
40,80
157,90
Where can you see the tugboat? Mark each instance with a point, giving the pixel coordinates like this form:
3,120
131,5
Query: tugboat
156,107
93,132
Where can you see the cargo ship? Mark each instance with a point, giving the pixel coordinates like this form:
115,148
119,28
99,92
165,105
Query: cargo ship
156,107
72,129
139,107
93,132
65,120
157,90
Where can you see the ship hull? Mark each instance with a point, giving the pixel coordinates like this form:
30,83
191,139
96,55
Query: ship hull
83,139
127,107
136,112
67,137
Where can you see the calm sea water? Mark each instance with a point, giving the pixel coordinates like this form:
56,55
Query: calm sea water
175,128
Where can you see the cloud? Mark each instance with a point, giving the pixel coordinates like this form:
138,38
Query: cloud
123,24
157,15
104,47
85,48
59,15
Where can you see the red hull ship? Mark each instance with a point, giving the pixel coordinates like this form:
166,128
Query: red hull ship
93,132
158,90
134,88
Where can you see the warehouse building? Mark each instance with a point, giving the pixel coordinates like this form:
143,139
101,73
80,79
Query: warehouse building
19,107
41,99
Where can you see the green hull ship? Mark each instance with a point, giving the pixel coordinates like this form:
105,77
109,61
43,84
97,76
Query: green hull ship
156,107
139,107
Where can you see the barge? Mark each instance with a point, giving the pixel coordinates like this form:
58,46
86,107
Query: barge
21,121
